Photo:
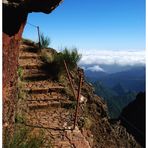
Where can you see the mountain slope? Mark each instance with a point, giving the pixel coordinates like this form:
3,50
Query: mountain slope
132,79
116,98
47,106
94,75
133,118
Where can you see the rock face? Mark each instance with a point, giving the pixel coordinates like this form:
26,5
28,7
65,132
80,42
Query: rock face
14,18
28,6
95,118
133,118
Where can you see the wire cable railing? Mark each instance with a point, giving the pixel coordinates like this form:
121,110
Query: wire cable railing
38,32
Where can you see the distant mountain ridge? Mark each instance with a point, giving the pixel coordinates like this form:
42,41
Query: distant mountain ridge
132,79
116,99
118,89
94,75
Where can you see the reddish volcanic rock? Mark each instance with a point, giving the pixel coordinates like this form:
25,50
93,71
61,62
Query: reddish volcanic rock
10,64
14,19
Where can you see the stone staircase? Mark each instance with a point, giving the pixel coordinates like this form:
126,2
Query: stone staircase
34,74
48,108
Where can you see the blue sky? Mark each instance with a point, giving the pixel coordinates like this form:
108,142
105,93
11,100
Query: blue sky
93,25
110,32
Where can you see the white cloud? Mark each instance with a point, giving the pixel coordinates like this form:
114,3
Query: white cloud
95,68
109,57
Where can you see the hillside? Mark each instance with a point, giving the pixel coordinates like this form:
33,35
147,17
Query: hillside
133,118
46,107
117,89
116,98
94,75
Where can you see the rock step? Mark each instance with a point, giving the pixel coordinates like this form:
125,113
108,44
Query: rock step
32,71
56,118
62,144
45,100
48,96
42,84
32,66
30,61
26,52
28,56
47,104
53,98
28,48
77,139
35,77
34,74
43,90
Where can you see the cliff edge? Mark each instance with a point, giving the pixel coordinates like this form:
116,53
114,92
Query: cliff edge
46,106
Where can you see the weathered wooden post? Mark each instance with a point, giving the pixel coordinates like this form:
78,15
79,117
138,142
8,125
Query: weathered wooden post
69,78
38,29
78,100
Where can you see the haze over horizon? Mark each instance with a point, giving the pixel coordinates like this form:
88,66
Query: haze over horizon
100,60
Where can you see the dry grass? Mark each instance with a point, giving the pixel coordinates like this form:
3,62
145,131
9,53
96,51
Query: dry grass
87,123
22,139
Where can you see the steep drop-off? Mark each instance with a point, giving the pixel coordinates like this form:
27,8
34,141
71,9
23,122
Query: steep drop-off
48,105
133,118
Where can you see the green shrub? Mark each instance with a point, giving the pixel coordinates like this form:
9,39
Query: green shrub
46,57
87,123
21,92
20,72
19,118
28,42
45,41
71,58
56,62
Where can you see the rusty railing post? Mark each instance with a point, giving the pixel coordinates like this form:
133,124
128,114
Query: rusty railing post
78,100
39,37
71,83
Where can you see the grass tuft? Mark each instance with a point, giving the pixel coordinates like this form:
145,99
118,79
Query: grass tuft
21,139
45,41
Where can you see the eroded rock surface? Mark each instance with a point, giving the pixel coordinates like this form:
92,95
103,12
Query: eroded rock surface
14,18
46,106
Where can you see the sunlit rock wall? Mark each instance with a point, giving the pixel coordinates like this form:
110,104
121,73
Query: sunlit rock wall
14,19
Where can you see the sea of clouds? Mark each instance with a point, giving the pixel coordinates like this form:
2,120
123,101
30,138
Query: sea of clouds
93,59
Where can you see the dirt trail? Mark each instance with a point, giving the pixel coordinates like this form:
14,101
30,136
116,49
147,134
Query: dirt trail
46,105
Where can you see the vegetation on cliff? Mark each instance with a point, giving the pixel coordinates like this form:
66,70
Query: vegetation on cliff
49,104
44,41
115,99
133,118
55,60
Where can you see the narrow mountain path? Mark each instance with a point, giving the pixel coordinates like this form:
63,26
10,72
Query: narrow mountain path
47,107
